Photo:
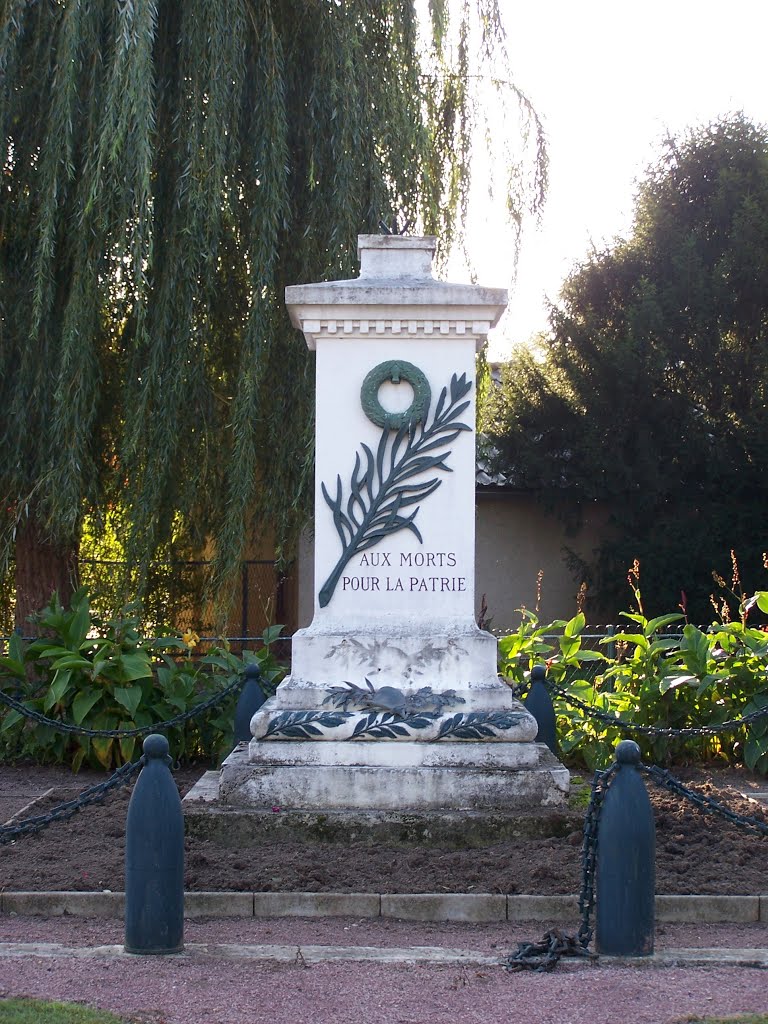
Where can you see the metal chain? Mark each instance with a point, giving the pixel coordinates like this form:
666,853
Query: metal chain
707,804
652,730
544,955
76,730
64,811
600,784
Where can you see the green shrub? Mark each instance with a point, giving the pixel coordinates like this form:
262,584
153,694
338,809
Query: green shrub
656,678
105,674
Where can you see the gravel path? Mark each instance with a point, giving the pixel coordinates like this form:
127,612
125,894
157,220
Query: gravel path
205,990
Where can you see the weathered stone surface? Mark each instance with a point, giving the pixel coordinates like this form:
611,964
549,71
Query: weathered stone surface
243,825
394,618
316,904
495,786
57,904
468,907
542,908
708,908
218,904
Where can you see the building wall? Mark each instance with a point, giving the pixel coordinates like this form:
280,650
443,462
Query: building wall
515,539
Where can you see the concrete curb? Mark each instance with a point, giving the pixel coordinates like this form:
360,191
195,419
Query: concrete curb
306,955
466,907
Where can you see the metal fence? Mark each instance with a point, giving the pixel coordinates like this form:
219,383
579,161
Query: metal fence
174,596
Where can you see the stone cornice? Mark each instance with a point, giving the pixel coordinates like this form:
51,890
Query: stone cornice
362,328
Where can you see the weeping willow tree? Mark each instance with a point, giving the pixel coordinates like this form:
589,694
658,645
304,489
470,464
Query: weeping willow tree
169,166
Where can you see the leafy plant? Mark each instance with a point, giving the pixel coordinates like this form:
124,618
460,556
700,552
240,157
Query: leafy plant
658,678
104,675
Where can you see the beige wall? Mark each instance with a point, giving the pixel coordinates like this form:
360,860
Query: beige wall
515,538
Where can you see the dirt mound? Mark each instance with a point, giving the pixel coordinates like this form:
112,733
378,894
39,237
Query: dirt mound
696,853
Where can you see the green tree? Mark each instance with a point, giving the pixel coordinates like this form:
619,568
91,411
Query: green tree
169,166
650,390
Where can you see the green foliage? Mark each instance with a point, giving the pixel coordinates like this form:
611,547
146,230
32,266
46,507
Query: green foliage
749,1018
35,1011
657,678
168,168
669,329
105,674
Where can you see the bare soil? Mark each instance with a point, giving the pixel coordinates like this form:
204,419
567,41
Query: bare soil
696,853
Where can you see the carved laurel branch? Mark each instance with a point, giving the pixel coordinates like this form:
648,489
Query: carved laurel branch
390,698
307,725
384,485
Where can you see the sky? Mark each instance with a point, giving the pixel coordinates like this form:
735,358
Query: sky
610,78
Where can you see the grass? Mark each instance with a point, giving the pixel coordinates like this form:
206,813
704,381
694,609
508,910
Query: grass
750,1018
33,1011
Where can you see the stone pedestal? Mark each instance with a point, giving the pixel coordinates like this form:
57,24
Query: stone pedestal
394,702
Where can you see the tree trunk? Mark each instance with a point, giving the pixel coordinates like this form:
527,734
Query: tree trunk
42,566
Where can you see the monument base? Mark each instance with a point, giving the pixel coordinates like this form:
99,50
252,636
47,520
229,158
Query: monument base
393,776
233,826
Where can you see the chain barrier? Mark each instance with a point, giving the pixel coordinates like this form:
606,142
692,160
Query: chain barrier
144,730
652,730
544,956
706,804
600,784
64,811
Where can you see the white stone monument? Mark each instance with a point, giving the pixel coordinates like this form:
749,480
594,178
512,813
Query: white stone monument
394,703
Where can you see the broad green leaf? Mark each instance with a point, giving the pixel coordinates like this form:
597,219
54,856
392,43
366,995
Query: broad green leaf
77,759
710,679
81,622
57,689
575,625
102,747
45,649
654,625
219,662
72,661
135,666
271,633
695,648
762,600
10,719
665,644
127,743
674,682
129,697
569,645
16,647
13,667
634,617
169,643
83,703
639,639
97,643
754,749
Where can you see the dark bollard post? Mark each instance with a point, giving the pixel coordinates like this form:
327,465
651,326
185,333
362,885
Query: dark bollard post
154,857
625,883
539,703
251,698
